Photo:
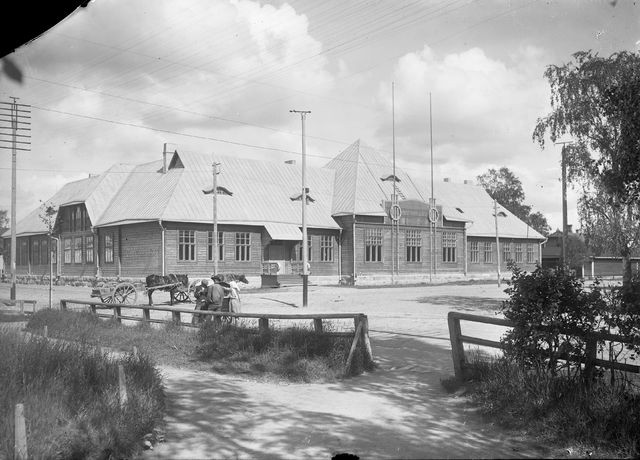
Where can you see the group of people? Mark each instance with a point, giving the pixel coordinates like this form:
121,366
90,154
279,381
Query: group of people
216,295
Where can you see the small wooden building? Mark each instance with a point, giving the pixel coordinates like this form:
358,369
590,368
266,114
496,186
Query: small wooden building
153,218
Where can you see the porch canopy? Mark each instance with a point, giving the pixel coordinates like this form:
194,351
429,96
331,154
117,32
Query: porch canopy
283,232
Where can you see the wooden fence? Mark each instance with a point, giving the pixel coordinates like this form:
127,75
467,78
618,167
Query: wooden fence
591,340
361,322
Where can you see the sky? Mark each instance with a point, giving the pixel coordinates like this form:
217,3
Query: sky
460,79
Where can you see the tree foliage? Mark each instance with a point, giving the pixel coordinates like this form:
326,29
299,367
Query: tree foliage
596,102
504,186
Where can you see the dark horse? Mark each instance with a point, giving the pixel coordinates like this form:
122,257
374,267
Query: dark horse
168,282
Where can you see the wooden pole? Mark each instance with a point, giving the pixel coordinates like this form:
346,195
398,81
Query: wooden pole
20,439
354,344
457,348
122,383
365,336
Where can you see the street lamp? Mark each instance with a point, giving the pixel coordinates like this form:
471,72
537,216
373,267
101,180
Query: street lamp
305,255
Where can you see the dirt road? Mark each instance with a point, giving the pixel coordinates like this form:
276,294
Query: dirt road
398,411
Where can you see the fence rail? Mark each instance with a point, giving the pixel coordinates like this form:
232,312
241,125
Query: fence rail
591,340
360,321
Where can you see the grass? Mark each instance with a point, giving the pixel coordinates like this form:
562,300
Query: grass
293,354
70,396
599,419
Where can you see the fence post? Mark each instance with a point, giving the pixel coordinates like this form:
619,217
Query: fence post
317,324
175,316
63,304
116,313
20,304
263,325
356,337
20,436
122,383
457,348
364,320
591,353
46,331
146,315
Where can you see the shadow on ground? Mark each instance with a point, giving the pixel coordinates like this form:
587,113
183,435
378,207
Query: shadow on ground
463,303
398,411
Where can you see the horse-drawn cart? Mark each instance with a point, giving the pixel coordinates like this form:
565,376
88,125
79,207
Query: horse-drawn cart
126,293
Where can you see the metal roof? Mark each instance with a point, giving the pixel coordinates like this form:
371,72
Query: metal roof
360,190
288,232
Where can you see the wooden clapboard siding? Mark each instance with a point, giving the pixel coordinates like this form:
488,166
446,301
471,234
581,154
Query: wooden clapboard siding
204,266
111,269
140,249
318,267
346,222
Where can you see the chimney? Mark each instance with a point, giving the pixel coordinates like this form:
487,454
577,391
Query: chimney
164,159
446,179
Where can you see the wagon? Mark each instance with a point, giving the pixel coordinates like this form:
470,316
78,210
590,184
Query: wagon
126,293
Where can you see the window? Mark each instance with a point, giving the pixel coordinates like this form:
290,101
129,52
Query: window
373,245
326,248
243,246
108,249
53,253
35,252
44,252
475,255
88,249
506,251
488,252
77,250
449,244
531,258
210,246
297,251
186,245
67,250
518,252
413,242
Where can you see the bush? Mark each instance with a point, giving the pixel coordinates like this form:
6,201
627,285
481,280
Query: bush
552,313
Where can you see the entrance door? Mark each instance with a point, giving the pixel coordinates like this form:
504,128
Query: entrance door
276,255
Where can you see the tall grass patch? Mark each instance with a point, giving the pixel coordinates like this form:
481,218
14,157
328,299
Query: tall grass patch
70,396
295,354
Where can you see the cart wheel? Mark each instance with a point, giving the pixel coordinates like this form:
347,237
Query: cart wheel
182,296
125,293
107,299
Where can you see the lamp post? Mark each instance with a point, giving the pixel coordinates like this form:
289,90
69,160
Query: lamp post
305,255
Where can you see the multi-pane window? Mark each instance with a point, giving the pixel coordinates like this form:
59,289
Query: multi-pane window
413,241
77,250
297,251
506,251
186,245
53,252
373,245
531,258
210,246
475,253
449,243
44,252
488,252
35,252
88,249
108,248
23,256
326,248
243,246
67,250
518,252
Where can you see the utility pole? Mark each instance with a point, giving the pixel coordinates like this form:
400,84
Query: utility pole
565,226
16,115
305,250
495,214
214,240
432,201
394,197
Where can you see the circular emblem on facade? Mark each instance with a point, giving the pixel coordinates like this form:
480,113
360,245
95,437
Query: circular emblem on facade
395,212
434,215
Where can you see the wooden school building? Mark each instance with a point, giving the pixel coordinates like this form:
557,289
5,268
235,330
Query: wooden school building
153,218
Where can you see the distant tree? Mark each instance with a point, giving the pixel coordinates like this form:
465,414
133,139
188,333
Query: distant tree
504,186
596,101
48,215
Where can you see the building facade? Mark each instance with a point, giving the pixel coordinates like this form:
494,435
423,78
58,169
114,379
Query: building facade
363,224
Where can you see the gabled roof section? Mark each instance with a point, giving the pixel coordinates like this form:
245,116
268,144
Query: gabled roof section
360,190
